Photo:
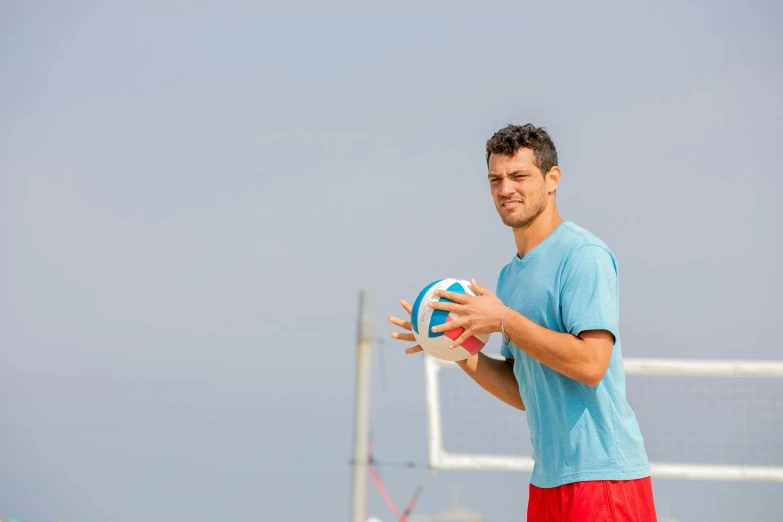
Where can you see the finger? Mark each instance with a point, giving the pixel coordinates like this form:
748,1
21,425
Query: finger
403,336
480,290
414,349
402,323
444,305
406,305
461,339
454,296
450,325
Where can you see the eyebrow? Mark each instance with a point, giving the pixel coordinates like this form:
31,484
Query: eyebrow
495,174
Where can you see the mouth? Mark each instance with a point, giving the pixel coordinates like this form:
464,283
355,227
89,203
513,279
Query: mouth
510,204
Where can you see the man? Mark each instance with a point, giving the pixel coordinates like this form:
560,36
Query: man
557,309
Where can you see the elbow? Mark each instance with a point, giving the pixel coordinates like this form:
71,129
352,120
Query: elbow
591,381
593,376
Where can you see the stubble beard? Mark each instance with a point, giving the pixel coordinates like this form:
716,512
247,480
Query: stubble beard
527,218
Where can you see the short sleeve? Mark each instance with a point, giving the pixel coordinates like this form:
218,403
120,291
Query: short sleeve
589,297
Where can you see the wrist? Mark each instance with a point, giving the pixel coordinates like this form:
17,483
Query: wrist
504,324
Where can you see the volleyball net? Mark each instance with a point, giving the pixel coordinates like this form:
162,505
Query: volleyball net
700,419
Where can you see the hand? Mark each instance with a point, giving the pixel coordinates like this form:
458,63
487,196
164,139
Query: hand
406,325
479,314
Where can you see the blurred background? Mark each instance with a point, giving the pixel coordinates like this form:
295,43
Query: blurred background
192,197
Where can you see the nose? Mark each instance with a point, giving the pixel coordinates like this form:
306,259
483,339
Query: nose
506,188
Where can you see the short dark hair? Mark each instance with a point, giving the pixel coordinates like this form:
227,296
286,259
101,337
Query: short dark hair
511,138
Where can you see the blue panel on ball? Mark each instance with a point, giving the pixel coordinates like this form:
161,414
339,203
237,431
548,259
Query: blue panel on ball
440,316
457,288
417,304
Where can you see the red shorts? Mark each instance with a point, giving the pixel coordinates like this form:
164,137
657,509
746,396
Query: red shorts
593,501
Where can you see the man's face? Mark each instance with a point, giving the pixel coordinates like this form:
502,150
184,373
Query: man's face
518,187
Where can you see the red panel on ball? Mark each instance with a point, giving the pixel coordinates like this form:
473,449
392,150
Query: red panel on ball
471,344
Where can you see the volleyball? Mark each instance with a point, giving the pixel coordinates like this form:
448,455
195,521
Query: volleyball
423,318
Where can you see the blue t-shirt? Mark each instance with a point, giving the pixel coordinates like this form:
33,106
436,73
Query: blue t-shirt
569,283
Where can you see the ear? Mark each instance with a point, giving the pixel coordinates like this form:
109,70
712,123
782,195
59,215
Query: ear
552,179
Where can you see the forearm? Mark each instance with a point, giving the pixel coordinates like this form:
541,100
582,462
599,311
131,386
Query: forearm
563,352
495,376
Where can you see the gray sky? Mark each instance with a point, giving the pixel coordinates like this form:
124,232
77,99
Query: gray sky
191,199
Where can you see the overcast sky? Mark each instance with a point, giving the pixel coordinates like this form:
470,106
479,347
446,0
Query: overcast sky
191,199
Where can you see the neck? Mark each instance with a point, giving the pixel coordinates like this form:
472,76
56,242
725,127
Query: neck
532,234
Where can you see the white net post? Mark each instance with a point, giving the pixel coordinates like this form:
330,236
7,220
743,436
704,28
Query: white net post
653,372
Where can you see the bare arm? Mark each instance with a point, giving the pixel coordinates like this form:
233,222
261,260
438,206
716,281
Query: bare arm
584,358
495,376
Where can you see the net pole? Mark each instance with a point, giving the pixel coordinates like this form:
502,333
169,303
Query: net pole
434,434
361,412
